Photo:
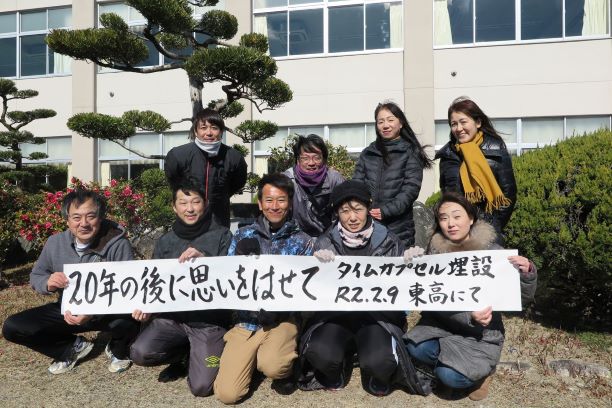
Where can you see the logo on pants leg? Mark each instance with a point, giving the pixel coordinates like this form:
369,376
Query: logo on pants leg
212,361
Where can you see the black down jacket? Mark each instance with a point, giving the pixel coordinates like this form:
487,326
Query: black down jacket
226,174
394,187
501,164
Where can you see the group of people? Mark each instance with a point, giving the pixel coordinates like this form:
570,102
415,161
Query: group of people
309,210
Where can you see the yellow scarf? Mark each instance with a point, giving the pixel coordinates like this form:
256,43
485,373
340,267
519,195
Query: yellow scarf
477,178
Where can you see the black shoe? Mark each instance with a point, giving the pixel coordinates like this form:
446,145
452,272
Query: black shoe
173,372
285,386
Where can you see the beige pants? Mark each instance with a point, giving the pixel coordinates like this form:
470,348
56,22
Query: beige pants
272,349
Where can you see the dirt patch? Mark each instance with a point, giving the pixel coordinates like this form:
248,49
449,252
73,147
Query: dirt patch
24,380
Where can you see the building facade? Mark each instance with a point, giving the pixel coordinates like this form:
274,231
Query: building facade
541,69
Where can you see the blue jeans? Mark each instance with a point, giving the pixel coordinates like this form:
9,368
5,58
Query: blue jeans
427,352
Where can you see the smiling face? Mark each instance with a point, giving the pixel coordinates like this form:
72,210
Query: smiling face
207,132
310,161
454,222
463,127
353,215
189,207
84,221
275,205
388,125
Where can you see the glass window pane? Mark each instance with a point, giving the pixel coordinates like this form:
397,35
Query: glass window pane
541,19
383,26
174,139
275,141
495,20
153,58
8,57
59,64
506,128
270,3
60,18
542,130
59,148
138,166
273,26
460,14
118,170
347,135
370,134
8,23
294,2
587,124
345,28
442,24
34,21
442,132
586,17
307,130
29,148
306,32
111,149
145,143
134,15
120,9
33,55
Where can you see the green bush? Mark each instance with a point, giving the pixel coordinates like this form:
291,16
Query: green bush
158,197
562,221
433,199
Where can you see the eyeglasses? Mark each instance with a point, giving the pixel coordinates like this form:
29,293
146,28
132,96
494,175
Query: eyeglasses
316,159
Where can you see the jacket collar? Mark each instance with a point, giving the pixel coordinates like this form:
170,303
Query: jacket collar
482,236
262,227
109,232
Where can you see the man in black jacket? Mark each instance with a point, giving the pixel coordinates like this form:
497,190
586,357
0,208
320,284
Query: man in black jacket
170,337
219,170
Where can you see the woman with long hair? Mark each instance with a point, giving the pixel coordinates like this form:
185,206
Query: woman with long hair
392,168
476,163
463,348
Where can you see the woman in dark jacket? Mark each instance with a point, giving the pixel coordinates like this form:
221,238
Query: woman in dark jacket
476,163
463,348
219,169
331,339
392,168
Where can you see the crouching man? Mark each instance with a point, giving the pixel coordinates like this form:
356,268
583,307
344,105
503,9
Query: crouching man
89,238
193,338
262,339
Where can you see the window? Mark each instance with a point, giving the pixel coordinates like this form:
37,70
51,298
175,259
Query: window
304,27
521,135
468,22
23,51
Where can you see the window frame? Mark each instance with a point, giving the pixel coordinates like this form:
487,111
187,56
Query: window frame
517,29
325,5
18,35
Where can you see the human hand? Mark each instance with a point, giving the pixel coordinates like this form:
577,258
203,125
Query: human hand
413,252
325,255
190,254
375,213
56,281
521,263
76,320
140,316
483,317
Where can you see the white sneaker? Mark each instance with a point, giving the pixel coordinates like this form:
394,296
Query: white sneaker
116,365
80,349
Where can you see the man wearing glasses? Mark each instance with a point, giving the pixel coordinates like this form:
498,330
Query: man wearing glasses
313,182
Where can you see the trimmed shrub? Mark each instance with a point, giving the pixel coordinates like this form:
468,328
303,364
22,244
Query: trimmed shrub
562,222
158,197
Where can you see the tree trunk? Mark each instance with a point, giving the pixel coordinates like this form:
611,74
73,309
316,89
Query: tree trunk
195,94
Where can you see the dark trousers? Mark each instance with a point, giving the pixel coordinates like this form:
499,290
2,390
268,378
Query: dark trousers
43,329
167,341
333,342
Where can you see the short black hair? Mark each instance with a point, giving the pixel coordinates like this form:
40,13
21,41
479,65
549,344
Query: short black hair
78,197
310,144
278,180
186,186
457,198
206,115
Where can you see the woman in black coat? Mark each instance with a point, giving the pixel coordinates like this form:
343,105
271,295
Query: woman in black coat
392,168
476,163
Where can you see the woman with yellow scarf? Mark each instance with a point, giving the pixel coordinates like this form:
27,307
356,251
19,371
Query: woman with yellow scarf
476,163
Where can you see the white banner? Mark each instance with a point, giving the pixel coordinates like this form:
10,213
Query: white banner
454,282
